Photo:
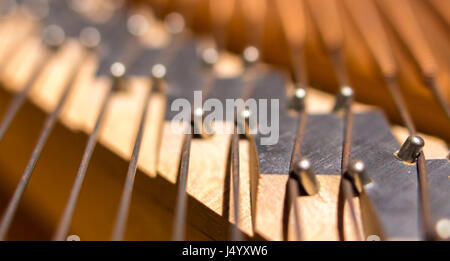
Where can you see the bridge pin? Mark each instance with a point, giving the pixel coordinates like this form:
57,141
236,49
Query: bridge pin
343,98
174,23
250,56
90,37
410,149
305,176
209,57
158,74
357,174
118,71
138,25
298,99
201,128
53,36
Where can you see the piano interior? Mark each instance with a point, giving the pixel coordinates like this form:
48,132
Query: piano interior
342,132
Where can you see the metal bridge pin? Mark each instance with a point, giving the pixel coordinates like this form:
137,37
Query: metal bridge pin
410,149
158,74
443,228
298,99
201,128
305,176
90,37
138,25
246,114
118,71
343,98
243,121
357,174
250,55
209,57
53,36
174,23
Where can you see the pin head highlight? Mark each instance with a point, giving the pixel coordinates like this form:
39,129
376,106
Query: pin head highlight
250,55
174,23
201,128
246,114
198,112
346,91
158,71
53,36
305,176
90,37
298,99
343,98
410,149
210,56
117,70
138,25
357,174
443,228
158,74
